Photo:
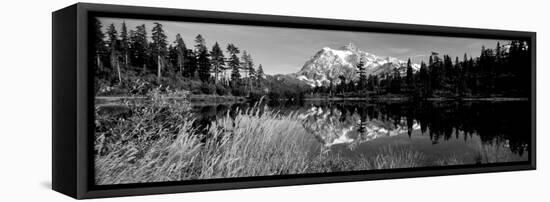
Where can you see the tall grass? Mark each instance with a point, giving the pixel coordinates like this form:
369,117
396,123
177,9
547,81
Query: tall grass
157,142
387,157
484,153
494,152
255,144
449,160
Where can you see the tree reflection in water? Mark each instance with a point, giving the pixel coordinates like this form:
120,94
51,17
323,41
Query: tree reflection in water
352,123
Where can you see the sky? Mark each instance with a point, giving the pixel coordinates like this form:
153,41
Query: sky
285,50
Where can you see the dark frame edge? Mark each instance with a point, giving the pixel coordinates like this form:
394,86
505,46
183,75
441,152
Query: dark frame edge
533,145
297,181
64,145
305,22
84,103
75,182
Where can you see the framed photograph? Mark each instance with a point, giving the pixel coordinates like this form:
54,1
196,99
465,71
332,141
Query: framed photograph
154,100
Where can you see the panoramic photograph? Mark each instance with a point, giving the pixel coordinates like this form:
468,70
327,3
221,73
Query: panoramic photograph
181,101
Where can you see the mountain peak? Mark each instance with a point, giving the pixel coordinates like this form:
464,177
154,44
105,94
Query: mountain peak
328,65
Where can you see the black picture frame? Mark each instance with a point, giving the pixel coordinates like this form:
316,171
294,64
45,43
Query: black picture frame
72,100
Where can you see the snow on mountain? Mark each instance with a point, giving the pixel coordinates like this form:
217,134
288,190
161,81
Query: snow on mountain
329,64
328,128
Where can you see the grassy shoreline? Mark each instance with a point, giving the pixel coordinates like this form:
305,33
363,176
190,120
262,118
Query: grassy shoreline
158,143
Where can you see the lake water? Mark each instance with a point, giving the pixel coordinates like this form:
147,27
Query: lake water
466,130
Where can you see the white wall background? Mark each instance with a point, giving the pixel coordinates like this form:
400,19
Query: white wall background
25,102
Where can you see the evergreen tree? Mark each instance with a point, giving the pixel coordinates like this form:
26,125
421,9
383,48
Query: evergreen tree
114,49
203,61
218,61
435,72
158,47
99,45
172,67
410,84
260,76
457,76
261,73
139,48
461,68
473,82
425,79
124,43
181,52
447,73
190,66
362,74
247,64
112,37
234,64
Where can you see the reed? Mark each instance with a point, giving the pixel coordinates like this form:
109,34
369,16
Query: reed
492,152
156,144
449,160
388,157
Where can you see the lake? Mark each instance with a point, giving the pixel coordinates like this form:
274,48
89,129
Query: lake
468,131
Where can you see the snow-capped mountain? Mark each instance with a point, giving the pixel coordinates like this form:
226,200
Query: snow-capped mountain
328,128
329,64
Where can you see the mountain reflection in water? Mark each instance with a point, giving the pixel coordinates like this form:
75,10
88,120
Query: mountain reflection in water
434,127
332,127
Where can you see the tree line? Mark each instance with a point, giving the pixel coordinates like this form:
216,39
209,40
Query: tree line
502,71
130,62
